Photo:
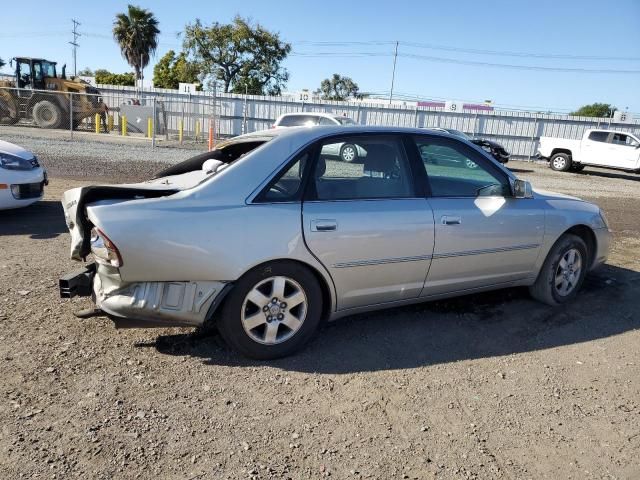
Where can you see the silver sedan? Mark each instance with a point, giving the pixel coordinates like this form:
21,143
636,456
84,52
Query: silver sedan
267,235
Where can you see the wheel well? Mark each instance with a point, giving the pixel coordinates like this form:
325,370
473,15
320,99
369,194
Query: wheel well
587,235
560,150
324,288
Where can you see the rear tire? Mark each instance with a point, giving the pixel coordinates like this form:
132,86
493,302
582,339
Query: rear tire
47,114
563,271
272,311
560,162
349,153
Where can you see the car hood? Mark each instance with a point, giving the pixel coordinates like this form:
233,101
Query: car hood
546,195
76,201
15,150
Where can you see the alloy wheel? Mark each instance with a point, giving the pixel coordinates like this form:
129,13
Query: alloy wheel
568,272
559,163
274,310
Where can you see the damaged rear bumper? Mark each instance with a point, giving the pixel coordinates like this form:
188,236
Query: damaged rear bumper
145,304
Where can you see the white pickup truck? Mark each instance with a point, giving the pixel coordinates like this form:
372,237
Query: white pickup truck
601,148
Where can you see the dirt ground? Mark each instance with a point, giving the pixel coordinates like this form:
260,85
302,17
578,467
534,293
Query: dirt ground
484,386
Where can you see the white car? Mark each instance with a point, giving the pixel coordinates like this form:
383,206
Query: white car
22,179
600,148
346,151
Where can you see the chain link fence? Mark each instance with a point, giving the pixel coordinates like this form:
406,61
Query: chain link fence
123,114
170,118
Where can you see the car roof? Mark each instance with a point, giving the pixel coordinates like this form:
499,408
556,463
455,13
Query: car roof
310,114
310,133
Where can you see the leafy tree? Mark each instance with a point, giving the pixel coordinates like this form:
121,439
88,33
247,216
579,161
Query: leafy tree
86,72
105,77
2,64
243,56
595,110
171,70
338,88
136,32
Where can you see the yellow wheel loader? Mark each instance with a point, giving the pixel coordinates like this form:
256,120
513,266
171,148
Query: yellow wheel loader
39,95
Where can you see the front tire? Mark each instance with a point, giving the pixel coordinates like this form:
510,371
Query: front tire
272,311
560,162
563,271
46,114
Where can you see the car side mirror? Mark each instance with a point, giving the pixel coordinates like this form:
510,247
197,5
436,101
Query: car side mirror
522,189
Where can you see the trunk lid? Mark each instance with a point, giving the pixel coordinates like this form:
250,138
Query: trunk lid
76,200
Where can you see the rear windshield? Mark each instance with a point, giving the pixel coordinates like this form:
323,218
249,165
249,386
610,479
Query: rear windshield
298,120
227,153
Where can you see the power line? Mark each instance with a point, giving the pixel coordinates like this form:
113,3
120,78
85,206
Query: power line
465,62
557,56
75,45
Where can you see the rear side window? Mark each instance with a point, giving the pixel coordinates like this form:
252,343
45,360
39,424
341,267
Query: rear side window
362,168
287,185
598,136
326,121
298,120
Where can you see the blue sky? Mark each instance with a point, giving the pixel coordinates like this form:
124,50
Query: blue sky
571,28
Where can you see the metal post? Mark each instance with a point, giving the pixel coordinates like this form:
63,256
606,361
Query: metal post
533,136
153,126
71,114
244,109
393,75
215,102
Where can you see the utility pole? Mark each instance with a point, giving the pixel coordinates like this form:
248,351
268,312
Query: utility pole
75,45
393,75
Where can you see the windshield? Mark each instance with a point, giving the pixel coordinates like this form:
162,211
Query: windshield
458,133
48,69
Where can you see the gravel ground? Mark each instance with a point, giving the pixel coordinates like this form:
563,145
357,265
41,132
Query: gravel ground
109,159
484,386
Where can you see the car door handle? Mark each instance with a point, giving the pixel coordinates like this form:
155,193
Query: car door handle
449,220
323,225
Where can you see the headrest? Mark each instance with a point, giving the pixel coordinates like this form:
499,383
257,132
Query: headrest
380,158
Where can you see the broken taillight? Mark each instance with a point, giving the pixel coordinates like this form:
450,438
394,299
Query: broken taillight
104,249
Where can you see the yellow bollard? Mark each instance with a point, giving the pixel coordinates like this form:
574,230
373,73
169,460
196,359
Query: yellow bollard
180,130
97,123
197,129
110,123
123,124
149,127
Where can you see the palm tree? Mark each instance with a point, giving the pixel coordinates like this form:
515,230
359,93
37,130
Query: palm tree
137,34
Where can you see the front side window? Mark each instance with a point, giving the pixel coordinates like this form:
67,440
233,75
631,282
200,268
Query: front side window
622,139
376,168
453,170
345,121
